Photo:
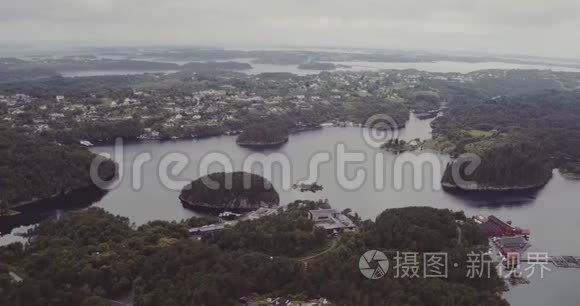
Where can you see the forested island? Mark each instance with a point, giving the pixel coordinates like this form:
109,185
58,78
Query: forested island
213,66
91,257
265,134
235,191
400,145
14,69
317,66
34,169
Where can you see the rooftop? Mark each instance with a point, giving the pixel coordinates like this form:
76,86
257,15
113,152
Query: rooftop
331,219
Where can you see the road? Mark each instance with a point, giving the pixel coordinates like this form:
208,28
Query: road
15,277
330,248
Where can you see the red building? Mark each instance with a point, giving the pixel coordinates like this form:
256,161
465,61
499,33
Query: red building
494,227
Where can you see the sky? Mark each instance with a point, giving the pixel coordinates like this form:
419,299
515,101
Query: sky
529,27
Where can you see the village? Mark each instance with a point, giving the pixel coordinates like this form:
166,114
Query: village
223,105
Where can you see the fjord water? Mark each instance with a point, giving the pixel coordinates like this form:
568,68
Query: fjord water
552,214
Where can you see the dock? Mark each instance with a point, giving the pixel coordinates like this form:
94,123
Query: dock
565,261
15,277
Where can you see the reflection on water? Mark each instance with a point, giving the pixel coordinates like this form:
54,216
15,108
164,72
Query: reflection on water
41,210
495,199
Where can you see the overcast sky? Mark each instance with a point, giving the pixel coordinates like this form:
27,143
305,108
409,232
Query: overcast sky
534,27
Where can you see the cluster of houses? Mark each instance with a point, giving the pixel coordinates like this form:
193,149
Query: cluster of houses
212,106
332,221
286,301
508,239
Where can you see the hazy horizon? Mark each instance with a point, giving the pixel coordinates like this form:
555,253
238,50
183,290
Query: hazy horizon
535,28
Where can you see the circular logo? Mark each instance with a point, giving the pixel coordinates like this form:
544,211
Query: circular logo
379,129
376,259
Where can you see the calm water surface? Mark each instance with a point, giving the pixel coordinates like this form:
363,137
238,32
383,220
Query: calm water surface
441,66
552,214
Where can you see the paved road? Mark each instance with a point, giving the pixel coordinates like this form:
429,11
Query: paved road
330,248
15,277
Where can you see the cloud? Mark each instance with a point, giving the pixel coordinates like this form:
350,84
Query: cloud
518,26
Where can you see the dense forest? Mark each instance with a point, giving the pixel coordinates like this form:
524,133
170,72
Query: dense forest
91,256
288,233
519,138
264,133
504,166
237,191
32,168
14,70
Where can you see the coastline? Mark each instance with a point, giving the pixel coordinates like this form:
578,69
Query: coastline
34,212
36,202
209,208
262,144
569,175
477,188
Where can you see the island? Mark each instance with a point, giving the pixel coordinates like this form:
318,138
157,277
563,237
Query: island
209,66
400,145
263,135
303,187
229,191
317,66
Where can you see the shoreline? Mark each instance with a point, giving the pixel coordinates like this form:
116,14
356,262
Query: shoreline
209,208
262,144
35,202
35,212
569,175
484,189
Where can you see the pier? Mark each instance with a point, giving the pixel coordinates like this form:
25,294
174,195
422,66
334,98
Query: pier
565,261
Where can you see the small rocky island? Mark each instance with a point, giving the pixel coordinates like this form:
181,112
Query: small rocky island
231,191
263,135
399,145
303,187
